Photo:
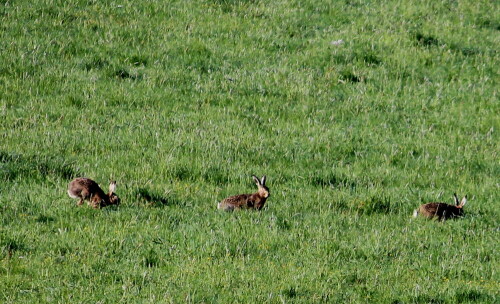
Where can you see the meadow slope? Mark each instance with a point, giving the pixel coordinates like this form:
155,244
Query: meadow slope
357,112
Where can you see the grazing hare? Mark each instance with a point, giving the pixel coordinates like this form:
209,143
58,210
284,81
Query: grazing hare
247,201
86,189
442,211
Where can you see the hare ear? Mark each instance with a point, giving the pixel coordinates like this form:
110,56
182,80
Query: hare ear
112,187
457,202
256,180
263,181
464,201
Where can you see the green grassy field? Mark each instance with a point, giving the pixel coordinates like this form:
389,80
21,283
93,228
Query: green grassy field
182,101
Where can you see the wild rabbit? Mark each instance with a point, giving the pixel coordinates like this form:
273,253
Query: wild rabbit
247,201
87,189
442,211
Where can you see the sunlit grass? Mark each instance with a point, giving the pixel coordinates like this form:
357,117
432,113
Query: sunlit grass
182,101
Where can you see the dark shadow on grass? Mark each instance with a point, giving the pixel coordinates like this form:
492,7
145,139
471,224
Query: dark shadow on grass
431,41
374,205
229,3
290,292
95,63
125,74
14,166
10,245
470,296
155,199
215,175
138,60
182,173
348,76
282,223
232,2
485,23
150,259
425,40
332,180
44,219
464,50
428,299
229,6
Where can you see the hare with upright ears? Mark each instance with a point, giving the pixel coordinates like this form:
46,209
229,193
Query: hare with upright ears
87,189
442,211
247,201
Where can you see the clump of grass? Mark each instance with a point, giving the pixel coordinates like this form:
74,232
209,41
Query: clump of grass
75,101
95,63
290,292
374,204
214,175
282,223
150,259
138,60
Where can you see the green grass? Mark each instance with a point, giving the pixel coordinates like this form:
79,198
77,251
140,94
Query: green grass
182,101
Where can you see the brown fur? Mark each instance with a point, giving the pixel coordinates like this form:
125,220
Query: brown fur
442,211
247,201
87,189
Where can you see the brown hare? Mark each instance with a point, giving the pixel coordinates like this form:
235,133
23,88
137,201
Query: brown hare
442,211
87,189
247,201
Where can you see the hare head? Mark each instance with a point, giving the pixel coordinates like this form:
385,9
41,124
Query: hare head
112,197
263,191
460,204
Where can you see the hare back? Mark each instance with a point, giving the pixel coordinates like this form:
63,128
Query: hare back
439,210
234,202
84,182
84,188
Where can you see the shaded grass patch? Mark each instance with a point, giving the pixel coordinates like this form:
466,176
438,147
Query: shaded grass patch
44,219
155,198
122,73
374,204
425,40
472,295
332,180
14,166
10,245
151,259
95,63
350,76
